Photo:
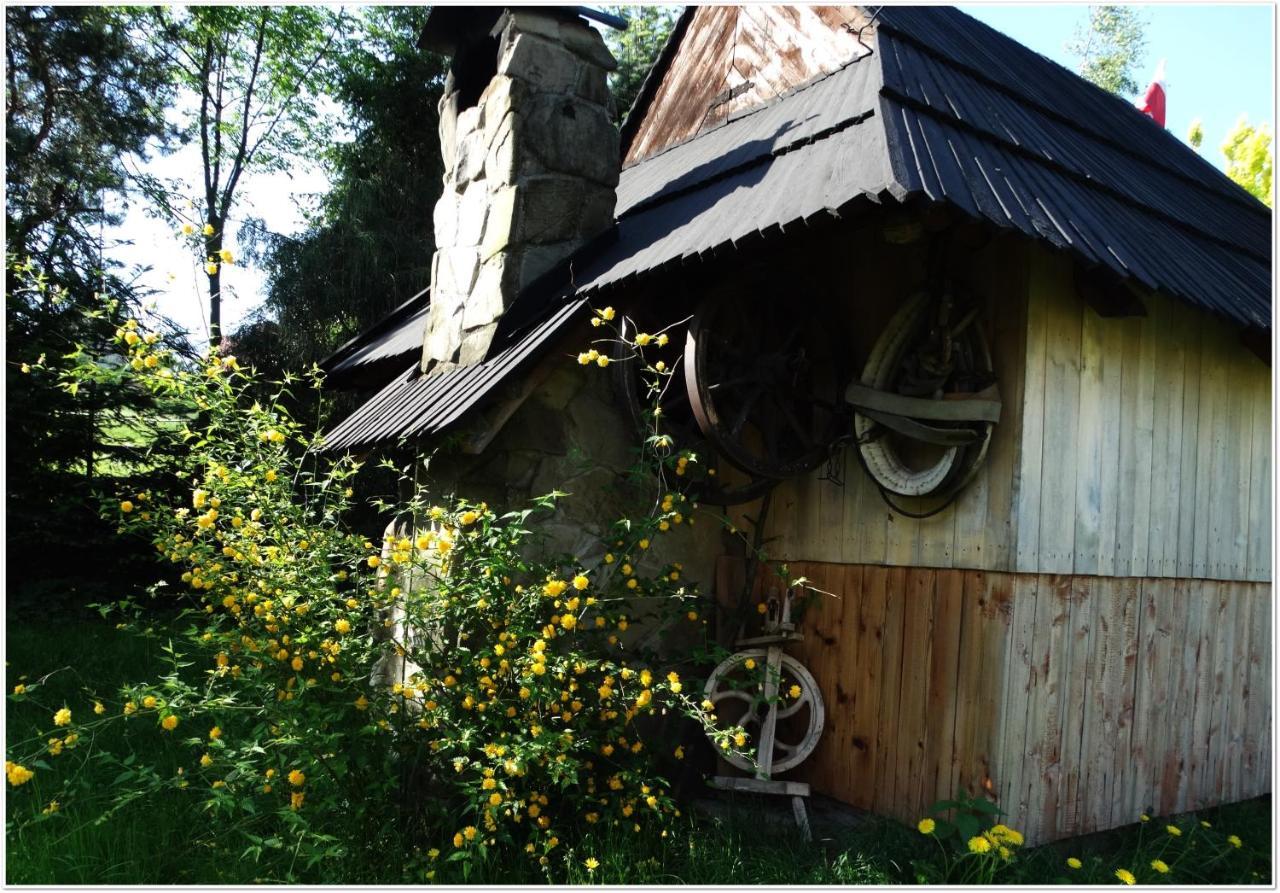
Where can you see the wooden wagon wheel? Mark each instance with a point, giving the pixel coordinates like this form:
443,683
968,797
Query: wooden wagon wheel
678,421
742,698
926,353
763,382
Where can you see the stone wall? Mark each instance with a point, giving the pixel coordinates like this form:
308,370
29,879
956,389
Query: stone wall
530,172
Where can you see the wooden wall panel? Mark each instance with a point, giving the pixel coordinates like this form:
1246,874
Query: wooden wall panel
1078,702
1135,447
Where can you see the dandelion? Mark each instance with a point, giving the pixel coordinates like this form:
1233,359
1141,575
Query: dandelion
1126,876
592,863
1160,866
62,717
979,845
926,826
1074,864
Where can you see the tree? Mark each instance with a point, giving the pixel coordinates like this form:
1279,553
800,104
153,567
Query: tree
1249,162
258,76
1111,48
85,98
369,245
636,48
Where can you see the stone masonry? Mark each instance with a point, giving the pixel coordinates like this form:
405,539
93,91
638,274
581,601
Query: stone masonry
530,174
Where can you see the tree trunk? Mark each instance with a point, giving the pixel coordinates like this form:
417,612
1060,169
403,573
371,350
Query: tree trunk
213,245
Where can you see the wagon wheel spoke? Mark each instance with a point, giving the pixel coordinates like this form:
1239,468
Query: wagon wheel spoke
732,693
794,707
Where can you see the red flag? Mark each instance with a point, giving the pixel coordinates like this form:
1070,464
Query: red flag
1152,104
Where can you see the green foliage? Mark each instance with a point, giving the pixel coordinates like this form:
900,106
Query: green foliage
1249,160
369,244
636,49
258,76
454,686
1111,48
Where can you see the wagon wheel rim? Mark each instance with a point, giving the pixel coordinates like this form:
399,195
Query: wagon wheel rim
787,755
678,422
955,466
776,380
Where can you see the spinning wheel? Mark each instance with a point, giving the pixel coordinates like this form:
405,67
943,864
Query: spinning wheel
759,700
763,382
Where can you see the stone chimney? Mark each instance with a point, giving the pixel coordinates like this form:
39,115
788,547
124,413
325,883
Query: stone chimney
531,163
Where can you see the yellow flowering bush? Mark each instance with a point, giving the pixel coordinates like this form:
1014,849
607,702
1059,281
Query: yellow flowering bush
445,684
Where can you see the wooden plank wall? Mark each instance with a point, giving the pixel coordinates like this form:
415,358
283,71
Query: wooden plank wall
1079,702
1135,447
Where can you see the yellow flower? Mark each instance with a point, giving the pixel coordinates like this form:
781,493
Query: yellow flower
643,338
130,708
295,799
979,845
1159,866
62,717
1235,841
469,832
1204,824
926,826
126,506
679,753
211,268
225,256
169,723
1144,818
592,863
297,778
19,688
761,608
1173,830
602,361
580,582
51,808
740,739
606,313
1074,863
17,774
662,342
1126,876
206,761
467,517
495,799
98,708
187,229
568,621
342,625
208,229
362,703
750,664
794,691
457,839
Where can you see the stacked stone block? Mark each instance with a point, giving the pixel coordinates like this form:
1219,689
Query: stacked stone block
530,176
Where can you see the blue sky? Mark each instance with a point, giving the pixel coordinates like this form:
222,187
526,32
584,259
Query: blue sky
1218,58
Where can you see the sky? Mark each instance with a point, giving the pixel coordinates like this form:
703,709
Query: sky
1219,65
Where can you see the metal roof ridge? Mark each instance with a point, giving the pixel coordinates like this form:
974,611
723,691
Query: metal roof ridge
382,325
1243,199
923,108
748,112
649,86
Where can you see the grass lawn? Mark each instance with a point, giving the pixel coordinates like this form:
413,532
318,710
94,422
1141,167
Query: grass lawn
168,840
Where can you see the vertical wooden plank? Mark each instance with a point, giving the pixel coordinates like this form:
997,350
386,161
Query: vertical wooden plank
1232,783
1044,724
1125,688
944,667
1109,490
1088,497
1008,310
1187,647
1018,682
874,515
1207,598
993,719
916,656
1166,445
1130,357
1061,407
1189,459
1027,496
1259,525
1158,705
831,534
1211,452
1257,690
1235,558
1143,436
969,685
887,744
1075,730
864,753
1094,768
1218,680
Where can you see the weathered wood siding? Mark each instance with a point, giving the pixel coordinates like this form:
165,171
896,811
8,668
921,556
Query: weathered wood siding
1136,447
1078,702
762,51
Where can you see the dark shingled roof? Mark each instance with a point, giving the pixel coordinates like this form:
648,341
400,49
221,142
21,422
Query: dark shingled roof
946,110
382,350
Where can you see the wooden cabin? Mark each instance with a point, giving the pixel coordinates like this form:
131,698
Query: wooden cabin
1079,625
